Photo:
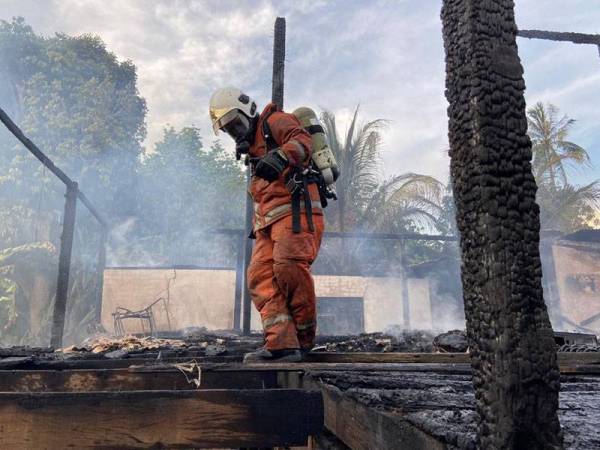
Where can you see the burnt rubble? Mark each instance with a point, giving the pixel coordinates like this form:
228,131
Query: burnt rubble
405,341
454,341
201,343
443,404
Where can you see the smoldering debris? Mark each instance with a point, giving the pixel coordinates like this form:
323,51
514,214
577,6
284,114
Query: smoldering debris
193,345
454,341
405,341
442,404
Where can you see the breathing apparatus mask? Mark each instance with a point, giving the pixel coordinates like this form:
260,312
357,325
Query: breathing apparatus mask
241,129
235,113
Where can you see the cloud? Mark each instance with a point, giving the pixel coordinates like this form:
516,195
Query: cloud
386,55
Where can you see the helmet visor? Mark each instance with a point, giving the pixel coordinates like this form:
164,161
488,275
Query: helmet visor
237,127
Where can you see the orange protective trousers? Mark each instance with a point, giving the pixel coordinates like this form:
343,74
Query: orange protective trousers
281,284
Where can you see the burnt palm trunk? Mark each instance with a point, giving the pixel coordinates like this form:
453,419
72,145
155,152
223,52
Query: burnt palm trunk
515,372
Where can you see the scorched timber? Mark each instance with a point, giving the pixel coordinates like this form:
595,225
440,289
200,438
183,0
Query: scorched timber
159,419
425,411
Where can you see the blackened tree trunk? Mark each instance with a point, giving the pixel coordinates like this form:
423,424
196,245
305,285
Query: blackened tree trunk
516,376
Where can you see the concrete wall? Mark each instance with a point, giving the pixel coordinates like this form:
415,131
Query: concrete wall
578,278
205,297
195,298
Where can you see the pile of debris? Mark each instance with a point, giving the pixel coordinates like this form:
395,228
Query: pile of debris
227,345
454,341
121,347
196,344
405,341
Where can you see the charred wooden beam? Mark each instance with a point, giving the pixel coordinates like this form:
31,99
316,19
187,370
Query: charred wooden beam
368,409
160,419
516,376
277,98
278,62
364,428
89,380
64,265
569,362
575,38
41,156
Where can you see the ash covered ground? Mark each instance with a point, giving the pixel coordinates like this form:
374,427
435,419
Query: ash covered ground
443,404
229,345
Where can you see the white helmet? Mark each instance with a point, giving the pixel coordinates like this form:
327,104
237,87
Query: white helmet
226,105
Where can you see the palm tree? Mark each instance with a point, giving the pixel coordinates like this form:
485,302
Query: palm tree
564,206
358,156
552,152
402,201
365,202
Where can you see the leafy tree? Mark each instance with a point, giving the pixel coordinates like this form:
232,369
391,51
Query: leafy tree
563,206
185,191
81,106
366,202
404,203
358,155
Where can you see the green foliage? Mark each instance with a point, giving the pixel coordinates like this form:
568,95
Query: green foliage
20,268
185,191
358,155
563,206
80,105
405,202
408,202
8,290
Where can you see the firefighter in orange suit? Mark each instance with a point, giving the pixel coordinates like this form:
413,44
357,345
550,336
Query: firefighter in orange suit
288,233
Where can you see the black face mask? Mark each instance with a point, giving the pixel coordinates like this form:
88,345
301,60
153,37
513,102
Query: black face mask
243,141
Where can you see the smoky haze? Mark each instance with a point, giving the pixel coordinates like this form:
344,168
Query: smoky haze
171,206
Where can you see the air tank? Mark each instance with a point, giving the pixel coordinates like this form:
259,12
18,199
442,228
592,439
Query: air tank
322,155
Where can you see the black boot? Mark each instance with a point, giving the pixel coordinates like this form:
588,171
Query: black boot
262,355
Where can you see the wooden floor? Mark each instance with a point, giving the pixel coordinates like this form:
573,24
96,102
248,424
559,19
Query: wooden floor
366,401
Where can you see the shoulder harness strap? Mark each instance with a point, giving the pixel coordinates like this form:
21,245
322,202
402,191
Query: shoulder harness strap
300,192
270,141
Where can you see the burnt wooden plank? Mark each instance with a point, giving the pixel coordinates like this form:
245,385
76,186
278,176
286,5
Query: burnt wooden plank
568,361
159,419
364,428
429,358
30,363
131,380
392,357
440,405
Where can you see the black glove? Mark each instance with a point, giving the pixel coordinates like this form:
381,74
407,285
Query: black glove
271,165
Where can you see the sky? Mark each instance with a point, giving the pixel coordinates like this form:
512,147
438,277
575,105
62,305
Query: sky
384,55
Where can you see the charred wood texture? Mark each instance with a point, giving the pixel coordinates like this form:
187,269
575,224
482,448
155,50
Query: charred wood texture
576,38
515,371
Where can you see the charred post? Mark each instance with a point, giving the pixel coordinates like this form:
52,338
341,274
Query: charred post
277,98
278,62
64,265
239,283
100,271
515,372
247,254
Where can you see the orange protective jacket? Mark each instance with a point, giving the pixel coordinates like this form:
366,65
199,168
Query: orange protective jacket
272,200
